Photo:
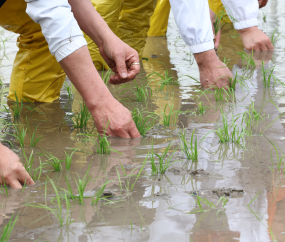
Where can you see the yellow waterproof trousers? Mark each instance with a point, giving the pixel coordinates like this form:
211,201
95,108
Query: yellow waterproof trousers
128,19
36,74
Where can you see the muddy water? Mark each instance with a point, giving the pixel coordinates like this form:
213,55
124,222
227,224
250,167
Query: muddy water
164,207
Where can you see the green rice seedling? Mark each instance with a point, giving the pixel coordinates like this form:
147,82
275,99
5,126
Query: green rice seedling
143,122
171,117
268,76
82,117
219,94
167,79
57,211
201,109
98,195
33,139
69,90
107,76
142,93
20,134
81,185
252,115
226,61
34,173
233,81
7,230
68,159
190,149
17,107
218,21
247,60
275,37
1,82
163,162
54,162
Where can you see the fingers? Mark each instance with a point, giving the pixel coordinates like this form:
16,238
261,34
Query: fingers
133,131
217,39
14,183
122,133
24,177
120,60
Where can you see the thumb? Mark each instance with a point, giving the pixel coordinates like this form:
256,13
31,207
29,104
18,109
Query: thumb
120,60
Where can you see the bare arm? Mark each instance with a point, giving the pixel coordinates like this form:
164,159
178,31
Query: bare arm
118,55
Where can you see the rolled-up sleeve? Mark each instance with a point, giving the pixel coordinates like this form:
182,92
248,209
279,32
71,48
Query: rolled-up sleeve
193,20
58,25
243,13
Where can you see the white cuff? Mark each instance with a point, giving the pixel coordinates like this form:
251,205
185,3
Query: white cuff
67,49
245,24
202,47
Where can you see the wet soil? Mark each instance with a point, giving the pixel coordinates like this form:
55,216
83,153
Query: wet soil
161,207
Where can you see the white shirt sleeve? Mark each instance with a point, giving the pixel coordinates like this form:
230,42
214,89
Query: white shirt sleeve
243,13
193,20
58,24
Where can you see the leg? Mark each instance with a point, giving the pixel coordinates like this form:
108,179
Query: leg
36,74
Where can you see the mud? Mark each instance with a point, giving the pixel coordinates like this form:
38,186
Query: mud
162,207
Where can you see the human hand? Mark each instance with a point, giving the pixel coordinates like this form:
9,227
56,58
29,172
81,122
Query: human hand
12,171
217,37
118,119
121,58
262,3
213,72
254,39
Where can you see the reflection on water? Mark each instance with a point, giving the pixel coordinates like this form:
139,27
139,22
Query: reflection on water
163,207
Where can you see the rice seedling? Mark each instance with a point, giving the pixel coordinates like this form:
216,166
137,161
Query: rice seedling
142,93
219,94
54,162
163,162
82,117
68,89
171,117
17,107
229,133
226,61
1,82
107,76
68,159
20,134
201,200
233,81
33,139
275,37
143,123
7,230
98,195
201,109
128,186
247,60
190,149
268,76
81,185
251,116
218,21
57,211
167,79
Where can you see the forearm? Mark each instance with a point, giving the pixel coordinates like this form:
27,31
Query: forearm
243,13
90,21
80,69
193,20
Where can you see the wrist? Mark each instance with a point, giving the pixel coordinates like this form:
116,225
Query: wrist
205,58
247,30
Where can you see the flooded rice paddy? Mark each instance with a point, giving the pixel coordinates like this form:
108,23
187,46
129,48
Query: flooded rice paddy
234,192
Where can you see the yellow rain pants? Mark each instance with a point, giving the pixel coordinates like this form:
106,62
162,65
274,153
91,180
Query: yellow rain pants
36,74
128,19
159,19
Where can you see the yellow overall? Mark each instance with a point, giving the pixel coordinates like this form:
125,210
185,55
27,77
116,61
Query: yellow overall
36,74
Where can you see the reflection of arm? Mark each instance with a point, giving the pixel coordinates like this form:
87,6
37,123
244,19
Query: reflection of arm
193,20
58,24
244,12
